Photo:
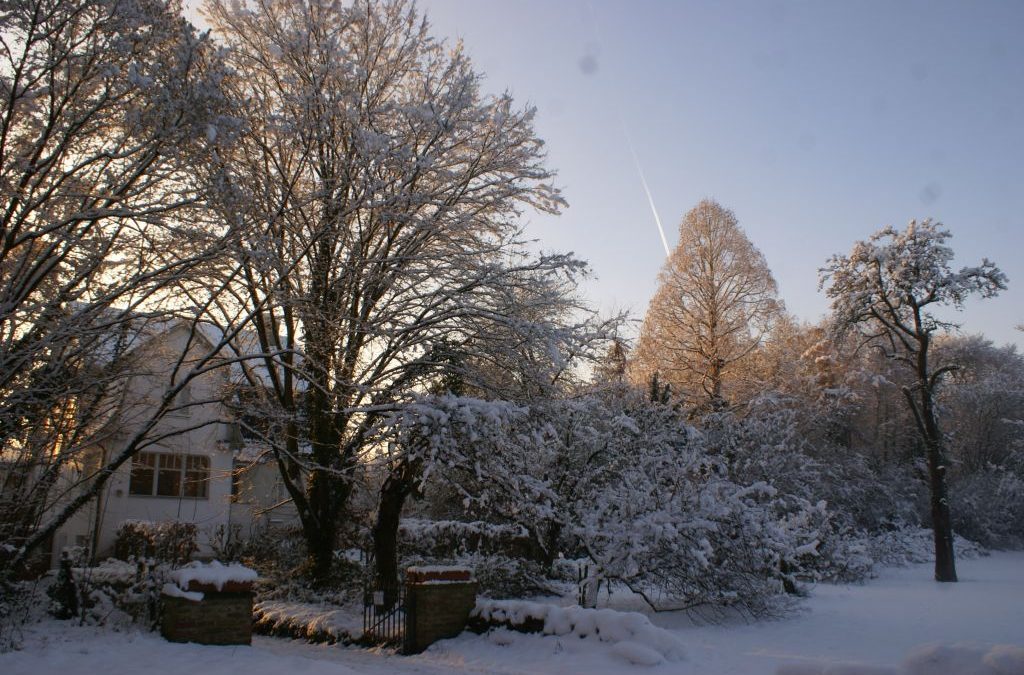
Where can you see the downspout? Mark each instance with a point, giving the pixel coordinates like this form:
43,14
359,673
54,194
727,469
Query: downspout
98,519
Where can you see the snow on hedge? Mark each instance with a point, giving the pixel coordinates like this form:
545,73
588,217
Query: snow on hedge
313,622
213,573
110,571
632,635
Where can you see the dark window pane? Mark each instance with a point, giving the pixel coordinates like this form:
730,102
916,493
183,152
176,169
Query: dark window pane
141,482
236,484
168,480
197,475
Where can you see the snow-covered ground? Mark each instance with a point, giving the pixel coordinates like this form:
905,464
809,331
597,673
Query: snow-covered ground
840,630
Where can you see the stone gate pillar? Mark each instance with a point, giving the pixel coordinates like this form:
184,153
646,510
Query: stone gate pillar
210,604
438,603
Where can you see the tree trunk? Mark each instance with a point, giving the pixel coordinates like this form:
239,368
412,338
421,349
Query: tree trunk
928,426
327,498
397,487
550,551
321,541
327,491
942,524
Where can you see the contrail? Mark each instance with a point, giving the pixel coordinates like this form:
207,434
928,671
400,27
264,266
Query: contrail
647,189
629,142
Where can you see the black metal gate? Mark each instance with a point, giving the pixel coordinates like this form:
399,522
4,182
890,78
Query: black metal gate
384,614
385,610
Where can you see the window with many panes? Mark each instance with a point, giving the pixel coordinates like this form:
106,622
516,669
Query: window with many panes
164,474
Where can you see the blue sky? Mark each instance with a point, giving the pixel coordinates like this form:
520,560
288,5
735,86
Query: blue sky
816,122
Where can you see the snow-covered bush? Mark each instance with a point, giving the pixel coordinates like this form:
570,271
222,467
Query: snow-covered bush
171,542
63,592
503,576
18,603
638,637
226,542
666,510
909,545
988,506
313,622
121,592
279,556
826,493
439,538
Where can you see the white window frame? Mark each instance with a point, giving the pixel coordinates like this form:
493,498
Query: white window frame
171,475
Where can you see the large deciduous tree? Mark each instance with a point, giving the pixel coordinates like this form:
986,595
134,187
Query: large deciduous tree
109,111
715,303
887,289
385,265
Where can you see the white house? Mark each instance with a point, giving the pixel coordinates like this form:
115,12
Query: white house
198,470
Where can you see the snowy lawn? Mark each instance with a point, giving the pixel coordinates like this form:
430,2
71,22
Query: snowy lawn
840,630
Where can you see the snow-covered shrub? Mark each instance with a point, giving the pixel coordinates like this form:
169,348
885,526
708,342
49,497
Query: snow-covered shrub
226,542
121,592
765,447
313,622
168,542
275,552
653,503
633,630
63,592
988,506
441,538
18,604
279,556
909,545
501,576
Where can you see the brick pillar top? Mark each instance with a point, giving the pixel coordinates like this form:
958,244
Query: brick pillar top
438,574
214,577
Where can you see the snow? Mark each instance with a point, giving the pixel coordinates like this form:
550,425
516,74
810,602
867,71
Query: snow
604,625
173,591
901,623
965,659
636,653
213,573
439,569
109,571
935,659
321,623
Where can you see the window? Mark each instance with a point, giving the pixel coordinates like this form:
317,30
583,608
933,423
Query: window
236,485
197,474
164,474
143,470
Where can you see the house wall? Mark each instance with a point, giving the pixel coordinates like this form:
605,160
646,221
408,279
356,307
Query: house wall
198,428
262,502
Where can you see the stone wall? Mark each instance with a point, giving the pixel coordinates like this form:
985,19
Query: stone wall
217,619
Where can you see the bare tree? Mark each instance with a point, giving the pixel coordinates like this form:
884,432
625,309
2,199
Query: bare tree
382,191
886,289
715,303
108,118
